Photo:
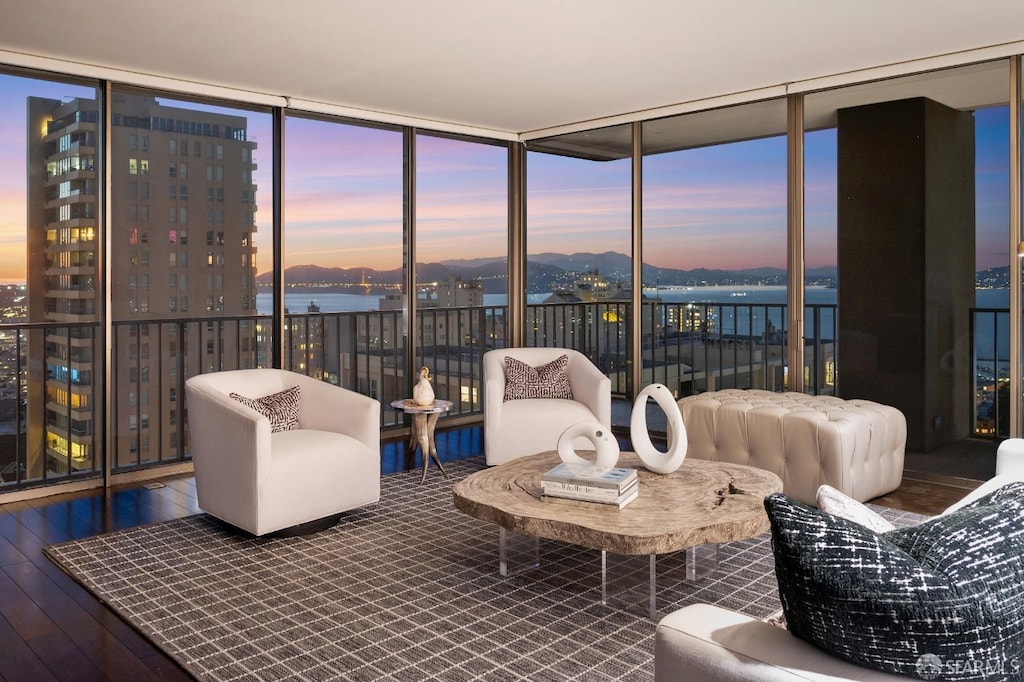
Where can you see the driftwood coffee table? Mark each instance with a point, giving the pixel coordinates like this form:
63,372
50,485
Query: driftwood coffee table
701,503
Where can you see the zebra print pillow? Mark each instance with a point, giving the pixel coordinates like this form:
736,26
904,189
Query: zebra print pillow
282,409
546,381
948,591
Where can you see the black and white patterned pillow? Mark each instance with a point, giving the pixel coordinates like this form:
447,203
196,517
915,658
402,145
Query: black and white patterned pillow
948,591
547,381
282,409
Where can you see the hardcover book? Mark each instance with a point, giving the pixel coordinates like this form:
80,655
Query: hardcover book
619,503
617,477
587,491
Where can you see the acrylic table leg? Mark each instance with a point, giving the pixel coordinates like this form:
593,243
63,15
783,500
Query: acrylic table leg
695,571
604,577
503,555
652,599
654,586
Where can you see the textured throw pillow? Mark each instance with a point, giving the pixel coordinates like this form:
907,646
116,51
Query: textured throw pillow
948,591
548,381
839,504
282,409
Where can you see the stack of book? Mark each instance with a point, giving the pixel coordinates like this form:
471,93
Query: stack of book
616,488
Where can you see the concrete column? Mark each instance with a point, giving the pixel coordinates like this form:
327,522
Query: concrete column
906,263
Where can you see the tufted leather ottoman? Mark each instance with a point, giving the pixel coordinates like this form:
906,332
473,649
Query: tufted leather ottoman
855,446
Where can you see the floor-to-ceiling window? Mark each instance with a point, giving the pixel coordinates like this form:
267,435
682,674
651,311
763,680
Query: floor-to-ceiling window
820,258
50,393
714,248
906,212
1017,236
342,254
578,247
991,338
461,234
191,254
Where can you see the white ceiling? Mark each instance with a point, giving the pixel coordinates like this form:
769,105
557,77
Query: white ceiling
512,66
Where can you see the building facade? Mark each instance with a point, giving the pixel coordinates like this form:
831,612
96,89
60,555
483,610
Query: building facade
181,222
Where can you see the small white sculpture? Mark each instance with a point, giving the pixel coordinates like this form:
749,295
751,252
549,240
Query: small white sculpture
423,392
604,443
655,460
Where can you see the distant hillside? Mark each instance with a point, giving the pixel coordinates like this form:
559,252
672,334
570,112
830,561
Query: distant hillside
994,278
547,271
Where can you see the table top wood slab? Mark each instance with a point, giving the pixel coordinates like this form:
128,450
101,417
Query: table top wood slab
702,502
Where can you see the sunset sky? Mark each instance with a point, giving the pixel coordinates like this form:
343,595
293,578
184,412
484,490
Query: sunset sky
714,207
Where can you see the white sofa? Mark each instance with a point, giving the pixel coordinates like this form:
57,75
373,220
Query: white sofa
855,446
265,482
713,644
525,427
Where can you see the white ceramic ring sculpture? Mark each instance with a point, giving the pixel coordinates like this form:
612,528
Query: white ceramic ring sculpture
653,459
604,443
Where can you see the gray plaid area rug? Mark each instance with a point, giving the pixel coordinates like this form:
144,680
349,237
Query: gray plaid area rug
407,589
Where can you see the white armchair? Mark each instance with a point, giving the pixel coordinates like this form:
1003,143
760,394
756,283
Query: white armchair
525,427
265,482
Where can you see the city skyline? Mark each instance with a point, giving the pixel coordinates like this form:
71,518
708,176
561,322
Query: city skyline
344,204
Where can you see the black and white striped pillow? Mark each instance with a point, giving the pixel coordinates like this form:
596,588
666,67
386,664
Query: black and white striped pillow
547,381
282,409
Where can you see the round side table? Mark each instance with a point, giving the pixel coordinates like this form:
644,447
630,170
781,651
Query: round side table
424,419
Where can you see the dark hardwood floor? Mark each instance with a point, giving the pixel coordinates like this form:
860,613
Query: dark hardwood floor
52,629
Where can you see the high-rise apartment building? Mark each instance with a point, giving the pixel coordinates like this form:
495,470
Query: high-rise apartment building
182,263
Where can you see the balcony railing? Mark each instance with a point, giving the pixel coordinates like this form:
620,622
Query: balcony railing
990,372
365,352
49,408
45,406
690,347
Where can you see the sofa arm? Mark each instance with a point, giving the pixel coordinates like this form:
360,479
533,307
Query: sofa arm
326,407
494,400
710,643
592,388
230,448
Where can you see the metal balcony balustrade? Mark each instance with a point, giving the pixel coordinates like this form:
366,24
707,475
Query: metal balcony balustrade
990,372
690,347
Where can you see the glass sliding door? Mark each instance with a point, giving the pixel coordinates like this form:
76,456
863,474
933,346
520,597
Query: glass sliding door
190,259
342,256
462,262
714,246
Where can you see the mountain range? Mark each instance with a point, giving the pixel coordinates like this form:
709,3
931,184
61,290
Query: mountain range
550,271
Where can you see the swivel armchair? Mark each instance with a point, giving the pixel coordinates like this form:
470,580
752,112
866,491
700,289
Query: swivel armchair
516,428
288,481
